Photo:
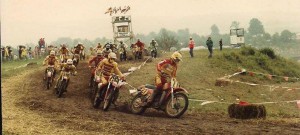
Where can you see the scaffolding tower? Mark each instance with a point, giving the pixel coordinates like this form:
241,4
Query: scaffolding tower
122,29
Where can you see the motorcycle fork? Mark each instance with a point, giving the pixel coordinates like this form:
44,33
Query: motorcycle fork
107,90
172,97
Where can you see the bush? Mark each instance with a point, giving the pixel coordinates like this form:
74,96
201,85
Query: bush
269,52
247,51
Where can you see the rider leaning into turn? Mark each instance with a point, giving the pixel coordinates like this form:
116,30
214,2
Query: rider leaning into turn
51,60
107,67
166,70
66,67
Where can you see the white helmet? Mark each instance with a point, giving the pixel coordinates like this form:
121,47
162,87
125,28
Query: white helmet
52,52
69,61
112,55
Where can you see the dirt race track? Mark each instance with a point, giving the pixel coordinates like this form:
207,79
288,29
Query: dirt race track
28,108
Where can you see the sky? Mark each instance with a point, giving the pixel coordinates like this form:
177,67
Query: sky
25,21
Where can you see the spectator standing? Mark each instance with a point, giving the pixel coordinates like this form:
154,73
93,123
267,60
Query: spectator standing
191,46
209,44
221,44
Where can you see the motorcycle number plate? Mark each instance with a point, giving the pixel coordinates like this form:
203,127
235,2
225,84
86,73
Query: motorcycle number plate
49,74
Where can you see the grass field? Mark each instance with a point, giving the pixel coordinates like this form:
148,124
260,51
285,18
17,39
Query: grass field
12,68
198,75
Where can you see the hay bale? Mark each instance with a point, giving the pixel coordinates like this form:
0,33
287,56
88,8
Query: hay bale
248,111
223,81
32,64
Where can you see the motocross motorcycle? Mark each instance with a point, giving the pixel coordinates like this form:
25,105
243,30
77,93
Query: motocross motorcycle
63,83
153,53
63,58
49,77
75,59
138,53
110,93
174,104
82,55
94,81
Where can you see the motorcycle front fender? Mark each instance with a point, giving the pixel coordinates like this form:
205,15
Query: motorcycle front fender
180,90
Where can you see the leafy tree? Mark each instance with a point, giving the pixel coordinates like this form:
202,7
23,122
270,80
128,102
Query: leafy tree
286,36
275,38
183,36
166,39
214,30
235,25
256,27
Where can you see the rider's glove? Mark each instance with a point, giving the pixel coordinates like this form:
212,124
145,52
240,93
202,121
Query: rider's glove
123,78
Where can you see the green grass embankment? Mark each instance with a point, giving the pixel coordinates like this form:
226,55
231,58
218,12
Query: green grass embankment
198,75
12,68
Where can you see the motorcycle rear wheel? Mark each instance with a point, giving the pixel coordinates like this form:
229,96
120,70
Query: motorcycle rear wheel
135,105
178,109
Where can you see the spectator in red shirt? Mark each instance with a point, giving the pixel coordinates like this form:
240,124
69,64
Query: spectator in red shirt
191,46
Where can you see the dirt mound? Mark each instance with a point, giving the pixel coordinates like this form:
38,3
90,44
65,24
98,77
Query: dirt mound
28,108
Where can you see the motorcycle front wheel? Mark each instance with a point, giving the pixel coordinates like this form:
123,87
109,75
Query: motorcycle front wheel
49,79
180,105
108,99
61,88
135,105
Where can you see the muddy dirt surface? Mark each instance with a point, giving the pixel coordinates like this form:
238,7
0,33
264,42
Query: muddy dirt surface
28,108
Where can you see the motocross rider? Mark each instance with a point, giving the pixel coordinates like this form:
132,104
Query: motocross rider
108,66
122,48
166,70
64,52
96,60
153,47
140,47
66,67
51,60
107,50
98,47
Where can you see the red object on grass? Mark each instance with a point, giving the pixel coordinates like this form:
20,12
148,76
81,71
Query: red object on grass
243,103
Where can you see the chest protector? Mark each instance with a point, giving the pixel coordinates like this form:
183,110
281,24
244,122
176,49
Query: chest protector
51,60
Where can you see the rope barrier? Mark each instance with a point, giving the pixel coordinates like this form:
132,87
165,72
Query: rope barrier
204,102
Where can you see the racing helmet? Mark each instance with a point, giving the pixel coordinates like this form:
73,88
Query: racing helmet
176,57
69,61
107,46
52,52
112,55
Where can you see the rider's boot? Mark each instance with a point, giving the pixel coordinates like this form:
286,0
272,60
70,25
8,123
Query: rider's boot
161,98
99,93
